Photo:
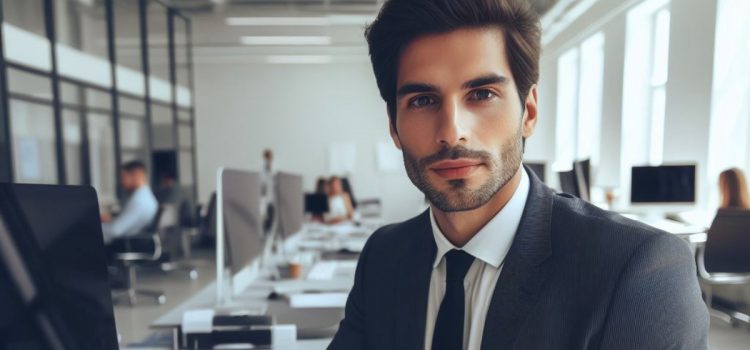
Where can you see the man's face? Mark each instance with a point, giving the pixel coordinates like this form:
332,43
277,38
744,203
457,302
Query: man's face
127,180
459,120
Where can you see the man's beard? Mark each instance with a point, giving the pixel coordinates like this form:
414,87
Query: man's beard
459,197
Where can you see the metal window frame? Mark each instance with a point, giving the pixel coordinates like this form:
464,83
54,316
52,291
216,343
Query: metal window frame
56,81
6,144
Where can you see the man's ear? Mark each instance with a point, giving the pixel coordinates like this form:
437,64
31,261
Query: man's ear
394,133
530,113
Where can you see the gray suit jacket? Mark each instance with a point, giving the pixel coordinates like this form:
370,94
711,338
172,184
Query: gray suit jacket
576,277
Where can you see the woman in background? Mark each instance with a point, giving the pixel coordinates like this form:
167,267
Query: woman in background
340,206
733,189
348,189
321,186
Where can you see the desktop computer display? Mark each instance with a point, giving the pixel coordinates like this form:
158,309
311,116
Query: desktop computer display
54,238
290,198
583,168
316,203
240,204
537,168
577,181
662,184
239,230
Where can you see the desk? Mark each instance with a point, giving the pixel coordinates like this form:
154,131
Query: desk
315,326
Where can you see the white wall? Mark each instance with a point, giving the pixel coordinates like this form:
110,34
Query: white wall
298,111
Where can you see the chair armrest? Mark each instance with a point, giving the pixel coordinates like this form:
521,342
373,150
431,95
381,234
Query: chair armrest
700,260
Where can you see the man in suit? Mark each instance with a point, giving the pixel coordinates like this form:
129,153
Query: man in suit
499,261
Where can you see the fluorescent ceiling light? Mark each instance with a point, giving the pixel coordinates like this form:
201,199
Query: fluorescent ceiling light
277,21
298,59
285,40
331,20
354,20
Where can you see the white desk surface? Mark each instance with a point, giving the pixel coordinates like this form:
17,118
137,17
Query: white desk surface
255,297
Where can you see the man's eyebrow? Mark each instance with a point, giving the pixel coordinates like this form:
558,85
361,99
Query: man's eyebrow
415,88
488,79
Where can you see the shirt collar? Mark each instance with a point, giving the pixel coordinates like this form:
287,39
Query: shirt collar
493,241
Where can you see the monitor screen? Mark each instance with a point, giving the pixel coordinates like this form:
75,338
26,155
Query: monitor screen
290,197
316,203
242,217
58,236
537,168
569,183
662,184
583,168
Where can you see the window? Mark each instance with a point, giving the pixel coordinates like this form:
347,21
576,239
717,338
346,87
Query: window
644,86
579,102
730,106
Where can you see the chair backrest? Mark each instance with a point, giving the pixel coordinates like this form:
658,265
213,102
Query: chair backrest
728,243
168,217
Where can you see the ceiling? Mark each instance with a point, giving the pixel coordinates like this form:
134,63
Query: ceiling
542,6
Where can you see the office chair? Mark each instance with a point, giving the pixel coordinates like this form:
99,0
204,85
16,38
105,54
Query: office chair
725,258
141,250
177,250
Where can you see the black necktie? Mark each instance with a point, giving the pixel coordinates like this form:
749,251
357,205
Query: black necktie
449,326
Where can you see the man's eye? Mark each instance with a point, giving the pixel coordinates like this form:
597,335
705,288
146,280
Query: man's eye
421,101
481,95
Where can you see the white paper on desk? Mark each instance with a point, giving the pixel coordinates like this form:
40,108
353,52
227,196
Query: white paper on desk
198,321
318,300
341,158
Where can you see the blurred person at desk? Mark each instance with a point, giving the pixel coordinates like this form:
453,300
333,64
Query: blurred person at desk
340,207
140,206
499,260
170,192
267,190
733,189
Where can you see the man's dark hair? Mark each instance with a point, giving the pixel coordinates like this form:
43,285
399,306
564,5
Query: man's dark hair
402,21
133,165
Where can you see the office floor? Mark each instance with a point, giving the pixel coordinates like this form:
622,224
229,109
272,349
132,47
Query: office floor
133,322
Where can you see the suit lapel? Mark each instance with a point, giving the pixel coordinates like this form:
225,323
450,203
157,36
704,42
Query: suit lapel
524,271
413,285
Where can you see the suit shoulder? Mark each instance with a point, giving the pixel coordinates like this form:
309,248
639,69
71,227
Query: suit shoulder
588,217
393,236
605,236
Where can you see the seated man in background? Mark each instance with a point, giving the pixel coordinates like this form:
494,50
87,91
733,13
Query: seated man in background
140,207
340,206
170,192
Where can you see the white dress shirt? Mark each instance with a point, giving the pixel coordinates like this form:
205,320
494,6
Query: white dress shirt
489,247
139,211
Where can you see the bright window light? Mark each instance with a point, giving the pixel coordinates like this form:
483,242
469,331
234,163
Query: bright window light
567,107
729,137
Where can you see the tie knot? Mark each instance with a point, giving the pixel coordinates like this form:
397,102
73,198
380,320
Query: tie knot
458,262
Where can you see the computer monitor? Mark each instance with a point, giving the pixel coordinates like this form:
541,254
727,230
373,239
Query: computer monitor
316,203
572,182
537,168
239,231
290,198
583,168
53,239
669,184
569,182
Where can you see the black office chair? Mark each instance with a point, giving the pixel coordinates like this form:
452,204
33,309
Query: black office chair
144,249
725,258
178,243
